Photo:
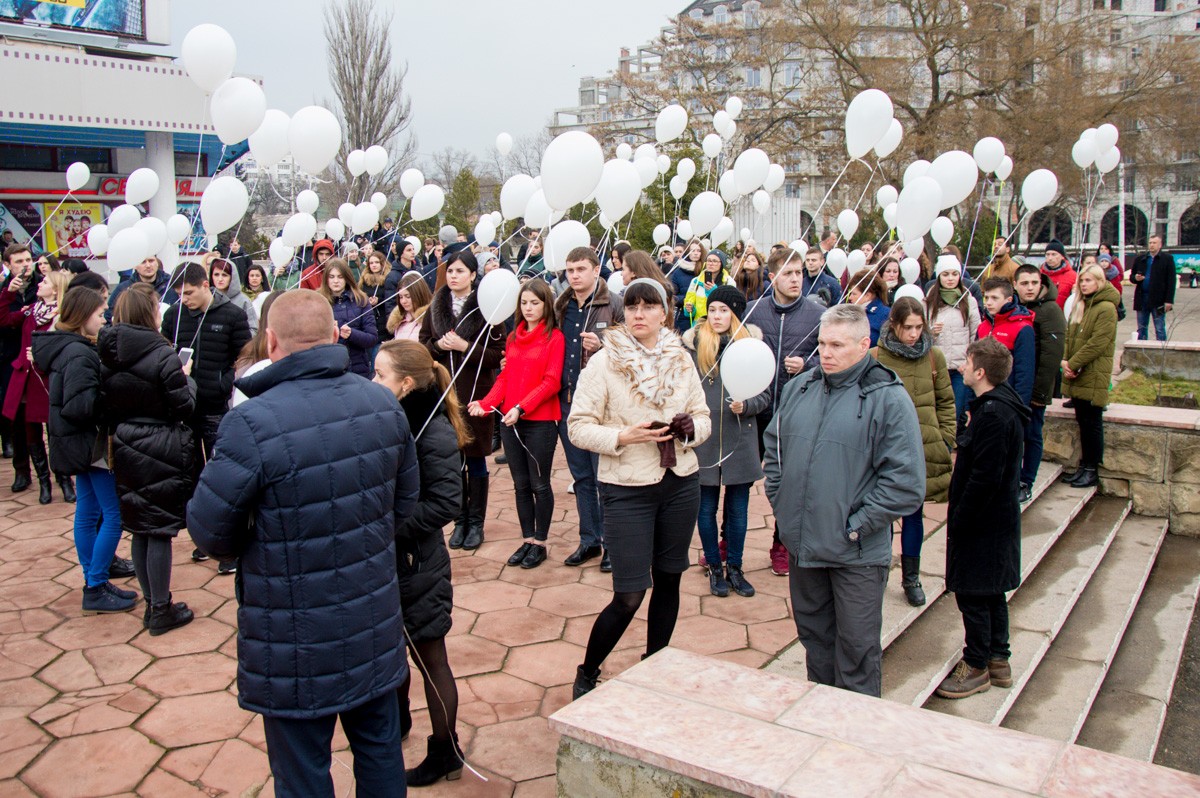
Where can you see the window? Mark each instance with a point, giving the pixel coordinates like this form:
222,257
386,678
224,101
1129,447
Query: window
753,78
791,74
185,163
30,158
1160,5
1033,15
587,97
1115,5
893,15
751,14
1162,210
1099,5
697,14
1114,36
721,15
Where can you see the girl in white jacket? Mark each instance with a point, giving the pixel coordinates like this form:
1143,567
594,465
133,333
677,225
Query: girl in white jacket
953,320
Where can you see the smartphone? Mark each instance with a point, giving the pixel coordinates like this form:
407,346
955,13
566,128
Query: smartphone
185,356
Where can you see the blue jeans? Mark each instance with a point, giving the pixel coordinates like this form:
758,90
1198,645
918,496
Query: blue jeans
1033,445
584,466
737,500
961,393
912,533
1160,324
95,540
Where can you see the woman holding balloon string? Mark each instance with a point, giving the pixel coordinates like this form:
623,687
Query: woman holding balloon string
730,456
953,320
889,270
461,339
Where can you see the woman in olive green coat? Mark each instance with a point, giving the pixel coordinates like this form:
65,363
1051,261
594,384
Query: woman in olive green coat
1087,369
906,347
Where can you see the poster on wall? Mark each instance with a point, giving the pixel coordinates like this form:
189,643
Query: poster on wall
67,228
197,242
23,219
122,17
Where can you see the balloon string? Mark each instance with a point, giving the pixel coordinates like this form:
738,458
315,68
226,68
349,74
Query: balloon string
824,199
987,182
46,221
253,188
450,386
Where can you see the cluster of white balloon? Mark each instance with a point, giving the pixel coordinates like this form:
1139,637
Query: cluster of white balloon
127,238
1097,146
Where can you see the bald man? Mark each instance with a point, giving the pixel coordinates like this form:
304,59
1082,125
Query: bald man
309,481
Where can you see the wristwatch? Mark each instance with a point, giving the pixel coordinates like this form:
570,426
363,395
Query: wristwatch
520,410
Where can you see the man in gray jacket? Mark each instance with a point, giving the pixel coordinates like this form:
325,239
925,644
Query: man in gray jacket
843,460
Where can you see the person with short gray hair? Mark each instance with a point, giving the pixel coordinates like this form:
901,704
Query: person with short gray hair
846,442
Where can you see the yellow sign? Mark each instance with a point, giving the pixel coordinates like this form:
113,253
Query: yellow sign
71,3
66,231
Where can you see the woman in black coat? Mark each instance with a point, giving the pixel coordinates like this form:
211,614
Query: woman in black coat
422,560
67,356
148,398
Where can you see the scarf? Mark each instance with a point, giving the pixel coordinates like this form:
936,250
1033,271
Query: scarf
917,351
651,373
43,313
892,283
950,295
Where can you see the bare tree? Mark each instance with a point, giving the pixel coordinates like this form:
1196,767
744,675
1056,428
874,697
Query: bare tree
445,164
369,96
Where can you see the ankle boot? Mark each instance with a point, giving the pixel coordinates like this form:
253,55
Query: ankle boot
37,456
476,511
165,617
911,569
1086,478
442,758
21,481
460,525
68,488
585,682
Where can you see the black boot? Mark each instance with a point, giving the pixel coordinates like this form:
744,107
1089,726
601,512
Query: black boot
476,511
165,617
1086,478
405,718
460,525
21,481
68,488
441,759
911,568
584,682
8,449
37,456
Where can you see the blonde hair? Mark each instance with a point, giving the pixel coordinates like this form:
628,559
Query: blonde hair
60,280
1098,274
708,343
369,279
342,268
412,359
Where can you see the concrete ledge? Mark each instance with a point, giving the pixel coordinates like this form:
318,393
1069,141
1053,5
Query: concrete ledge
1176,359
1141,415
688,725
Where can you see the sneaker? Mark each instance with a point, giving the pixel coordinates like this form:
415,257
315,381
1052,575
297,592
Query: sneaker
120,568
98,601
1025,496
198,556
1000,673
227,567
716,581
119,593
779,559
964,681
737,581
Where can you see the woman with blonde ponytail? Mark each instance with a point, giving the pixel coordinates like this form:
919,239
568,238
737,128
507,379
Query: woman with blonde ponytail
423,388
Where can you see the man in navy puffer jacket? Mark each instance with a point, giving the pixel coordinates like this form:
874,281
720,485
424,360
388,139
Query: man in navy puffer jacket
309,482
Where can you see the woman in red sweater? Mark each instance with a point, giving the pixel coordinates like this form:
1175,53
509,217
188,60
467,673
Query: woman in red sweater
526,396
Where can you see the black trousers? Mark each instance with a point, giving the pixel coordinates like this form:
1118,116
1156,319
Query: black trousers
1091,433
529,447
300,756
985,621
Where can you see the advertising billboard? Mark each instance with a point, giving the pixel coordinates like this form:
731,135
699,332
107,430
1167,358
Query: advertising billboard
118,17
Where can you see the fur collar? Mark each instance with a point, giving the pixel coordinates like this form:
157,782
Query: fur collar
441,313
655,375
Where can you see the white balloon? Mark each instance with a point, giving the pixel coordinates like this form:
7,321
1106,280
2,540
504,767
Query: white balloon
941,231
799,246
664,164
918,205
914,248
238,109
169,255
957,174
485,231
280,253
889,215
705,211
427,202
78,174
1039,189
124,217
837,261
746,234
346,213
891,140
179,227
918,168
729,131
721,120
733,107
645,151
1088,135
761,201
775,177
571,168
314,138
886,195
747,368
910,271
684,229
497,218
678,186
209,54
619,189
686,167
711,145
855,260
356,162
847,224
910,292
497,295
722,232
515,194
727,186
671,123
504,144
868,118
562,238
238,396
141,185
1005,168
97,239
410,181
1083,153
269,144
988,153
616,284
661,234
1106,137
624,151
298,230
223,203
155,232
750,170
366,216
127,249
307,201
375,159
537,213
379,200
647,169
334,229
1109,160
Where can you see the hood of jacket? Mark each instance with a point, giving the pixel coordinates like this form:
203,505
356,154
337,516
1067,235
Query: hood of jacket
1005,394
123,345
235,285
1106,294
321,244
50,345
1013,310
319,363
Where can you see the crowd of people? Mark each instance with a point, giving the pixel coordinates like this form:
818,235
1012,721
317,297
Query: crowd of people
319,424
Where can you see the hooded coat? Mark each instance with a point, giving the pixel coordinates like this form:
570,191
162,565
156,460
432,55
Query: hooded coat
1050,337
161,282
147,402
1091,342
1013,327
73,370
313,274
983,524
238,298
699,289
850,446
217,335
957,333
310,505
1063,278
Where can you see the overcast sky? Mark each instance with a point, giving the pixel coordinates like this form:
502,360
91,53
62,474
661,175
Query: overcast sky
475,68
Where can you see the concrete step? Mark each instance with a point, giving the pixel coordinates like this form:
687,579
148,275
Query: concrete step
1058,696
898,615
1127,716
918,660
1040,608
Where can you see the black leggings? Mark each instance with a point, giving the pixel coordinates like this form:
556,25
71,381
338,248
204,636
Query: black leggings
27,440
441,693
616,617
152,564
529,447
1091,433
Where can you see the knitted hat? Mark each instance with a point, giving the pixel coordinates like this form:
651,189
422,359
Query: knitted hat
1056,246
947,263
730,296
1106,258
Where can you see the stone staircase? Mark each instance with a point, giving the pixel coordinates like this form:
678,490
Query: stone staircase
1098,625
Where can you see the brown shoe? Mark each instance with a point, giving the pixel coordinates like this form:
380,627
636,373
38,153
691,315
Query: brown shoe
1000,673
964,681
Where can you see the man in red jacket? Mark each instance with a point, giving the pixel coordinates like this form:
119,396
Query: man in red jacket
314,273
1059,270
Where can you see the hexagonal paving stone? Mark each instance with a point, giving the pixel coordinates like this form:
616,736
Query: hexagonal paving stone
33,595
45,512
570,601
521,749
579,629
20,697
548,574
21,742
470,655
237,769
206,672
93,764
735,609
70,672
519,626
97,630
116,664
202,634
547,664
30,530
466,570
774,636
192,719
489,596
708,635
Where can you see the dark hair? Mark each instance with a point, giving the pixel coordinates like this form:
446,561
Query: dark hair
1104,246
466,258
138,305
620,251
540,289
583,253
77,307
50,259
642,265
991,356
12,250
86,279
254,267
1027,268
193,275
869,280
74,265
645,294
1001,284
905,306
